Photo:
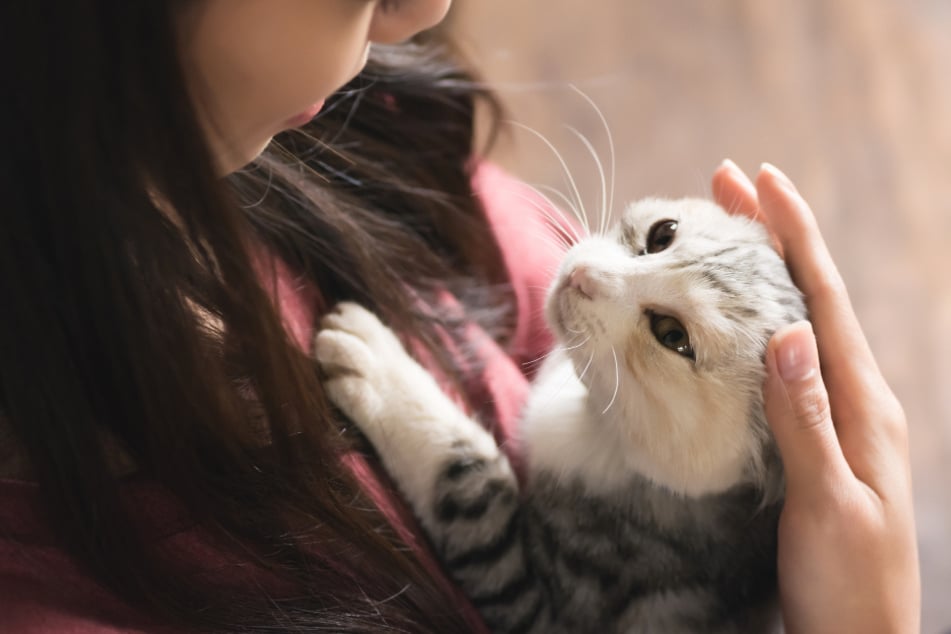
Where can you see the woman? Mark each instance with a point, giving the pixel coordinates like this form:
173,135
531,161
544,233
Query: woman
169,460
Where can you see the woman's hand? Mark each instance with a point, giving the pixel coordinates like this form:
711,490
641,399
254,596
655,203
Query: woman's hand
848,559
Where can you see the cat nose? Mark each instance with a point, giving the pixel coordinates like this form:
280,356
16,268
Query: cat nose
580,280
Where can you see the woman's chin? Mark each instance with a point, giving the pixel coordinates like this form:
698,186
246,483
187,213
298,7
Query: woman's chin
235,160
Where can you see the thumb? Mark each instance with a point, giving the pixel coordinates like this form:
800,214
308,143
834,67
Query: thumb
797,408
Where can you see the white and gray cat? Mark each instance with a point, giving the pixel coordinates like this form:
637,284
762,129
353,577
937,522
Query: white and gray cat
653,483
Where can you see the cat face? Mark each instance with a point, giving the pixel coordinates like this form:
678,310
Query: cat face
666,320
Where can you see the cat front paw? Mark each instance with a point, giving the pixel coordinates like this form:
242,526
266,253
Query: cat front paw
365,364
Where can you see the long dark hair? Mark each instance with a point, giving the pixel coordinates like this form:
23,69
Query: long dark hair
126,326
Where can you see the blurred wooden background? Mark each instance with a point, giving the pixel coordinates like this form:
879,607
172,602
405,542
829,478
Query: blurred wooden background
852,98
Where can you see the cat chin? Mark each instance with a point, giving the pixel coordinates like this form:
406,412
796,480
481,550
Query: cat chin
569,435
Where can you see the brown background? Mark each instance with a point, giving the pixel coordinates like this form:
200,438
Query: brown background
852,98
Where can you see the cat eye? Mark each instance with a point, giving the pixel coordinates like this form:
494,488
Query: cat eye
661,235
671,334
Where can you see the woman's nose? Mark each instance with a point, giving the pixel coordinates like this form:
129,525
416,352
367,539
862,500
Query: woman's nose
399,20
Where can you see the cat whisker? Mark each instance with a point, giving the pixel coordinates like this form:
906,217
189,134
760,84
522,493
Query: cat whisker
586,366
607,209
562,228
540,191
564,166
560,224
528,364
602,223
733,208
617,382
575,211
577,345
539,287
574,332
556,349
702,183
556,242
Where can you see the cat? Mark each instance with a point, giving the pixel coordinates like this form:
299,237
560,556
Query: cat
653,484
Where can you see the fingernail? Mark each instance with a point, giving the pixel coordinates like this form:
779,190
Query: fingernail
781,178
730,165
734,169
795,357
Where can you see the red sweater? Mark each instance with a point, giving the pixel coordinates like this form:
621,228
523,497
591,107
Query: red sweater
41,588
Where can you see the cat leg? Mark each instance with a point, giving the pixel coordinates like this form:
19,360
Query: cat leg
449,468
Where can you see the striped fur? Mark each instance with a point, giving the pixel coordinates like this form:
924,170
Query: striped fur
653,487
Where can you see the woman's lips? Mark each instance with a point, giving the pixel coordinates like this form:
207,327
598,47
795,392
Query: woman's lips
305,116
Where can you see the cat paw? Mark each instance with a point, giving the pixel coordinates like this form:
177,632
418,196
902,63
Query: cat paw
354,319
365,365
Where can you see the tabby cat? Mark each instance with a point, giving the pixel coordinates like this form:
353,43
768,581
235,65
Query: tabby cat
653,484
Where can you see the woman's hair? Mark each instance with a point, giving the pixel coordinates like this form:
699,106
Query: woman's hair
134,316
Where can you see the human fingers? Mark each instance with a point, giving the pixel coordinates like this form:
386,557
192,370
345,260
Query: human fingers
734,191
848,559
797,408
869,421
842,344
